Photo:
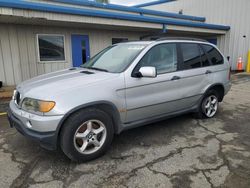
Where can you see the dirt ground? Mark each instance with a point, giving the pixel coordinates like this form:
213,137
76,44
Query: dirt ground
179,152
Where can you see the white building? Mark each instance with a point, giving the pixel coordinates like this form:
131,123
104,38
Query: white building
236,14
40,36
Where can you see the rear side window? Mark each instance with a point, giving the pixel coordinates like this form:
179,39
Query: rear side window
204,59
213,54
191,56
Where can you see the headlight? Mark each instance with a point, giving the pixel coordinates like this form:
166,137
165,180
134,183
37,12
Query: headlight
35,105
14,94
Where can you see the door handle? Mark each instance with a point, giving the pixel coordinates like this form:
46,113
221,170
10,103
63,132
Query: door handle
176,78
208,72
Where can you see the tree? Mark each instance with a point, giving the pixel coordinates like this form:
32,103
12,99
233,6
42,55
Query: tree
102,1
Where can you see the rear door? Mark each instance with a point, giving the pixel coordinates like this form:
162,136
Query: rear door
195,76
218,69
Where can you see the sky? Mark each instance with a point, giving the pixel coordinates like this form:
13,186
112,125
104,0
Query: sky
129,2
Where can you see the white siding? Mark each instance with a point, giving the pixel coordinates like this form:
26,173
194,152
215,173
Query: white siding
18,49
227,12
6,56
70,19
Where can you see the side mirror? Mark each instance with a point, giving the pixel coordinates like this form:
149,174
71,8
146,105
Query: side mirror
149,72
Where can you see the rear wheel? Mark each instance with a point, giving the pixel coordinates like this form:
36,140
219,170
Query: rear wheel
209,105
86,135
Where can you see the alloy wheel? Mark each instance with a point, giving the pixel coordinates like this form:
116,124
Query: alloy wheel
90,136
210,106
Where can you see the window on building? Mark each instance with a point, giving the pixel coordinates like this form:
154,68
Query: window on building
191,56
213,54
163,57
51,48
118,40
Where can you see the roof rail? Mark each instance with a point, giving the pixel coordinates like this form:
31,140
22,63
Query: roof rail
181,38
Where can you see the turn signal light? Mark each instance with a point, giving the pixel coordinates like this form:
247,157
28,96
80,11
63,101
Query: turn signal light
46,106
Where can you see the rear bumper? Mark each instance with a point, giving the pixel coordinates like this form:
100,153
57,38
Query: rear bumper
227,87
47,140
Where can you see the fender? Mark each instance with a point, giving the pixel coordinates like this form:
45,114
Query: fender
115,116
214,85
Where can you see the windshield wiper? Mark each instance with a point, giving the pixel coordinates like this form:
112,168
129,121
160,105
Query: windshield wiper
95,68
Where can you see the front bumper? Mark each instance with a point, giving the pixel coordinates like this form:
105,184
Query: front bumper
47,140
43,129
35,122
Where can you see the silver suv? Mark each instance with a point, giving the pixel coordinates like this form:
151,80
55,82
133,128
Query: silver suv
124,86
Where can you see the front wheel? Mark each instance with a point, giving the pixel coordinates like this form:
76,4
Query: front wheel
209,105
86,135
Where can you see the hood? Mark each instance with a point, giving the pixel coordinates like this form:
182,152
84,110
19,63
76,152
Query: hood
60,81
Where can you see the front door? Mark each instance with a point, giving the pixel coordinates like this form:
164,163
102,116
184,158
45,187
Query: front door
80,49
151,97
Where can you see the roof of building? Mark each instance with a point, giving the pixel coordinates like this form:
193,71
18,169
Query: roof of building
131,9
153,3
46,7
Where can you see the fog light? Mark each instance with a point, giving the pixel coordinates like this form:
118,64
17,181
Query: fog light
29,125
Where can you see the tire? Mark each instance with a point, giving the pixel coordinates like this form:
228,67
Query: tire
202,110
76,134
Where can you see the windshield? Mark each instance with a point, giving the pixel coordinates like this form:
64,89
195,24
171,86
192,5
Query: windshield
115,58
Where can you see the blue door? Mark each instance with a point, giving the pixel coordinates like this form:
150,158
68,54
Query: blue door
80,49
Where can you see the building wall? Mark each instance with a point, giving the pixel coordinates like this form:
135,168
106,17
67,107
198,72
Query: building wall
226,12
18,49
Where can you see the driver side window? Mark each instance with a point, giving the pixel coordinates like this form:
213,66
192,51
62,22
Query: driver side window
163,57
